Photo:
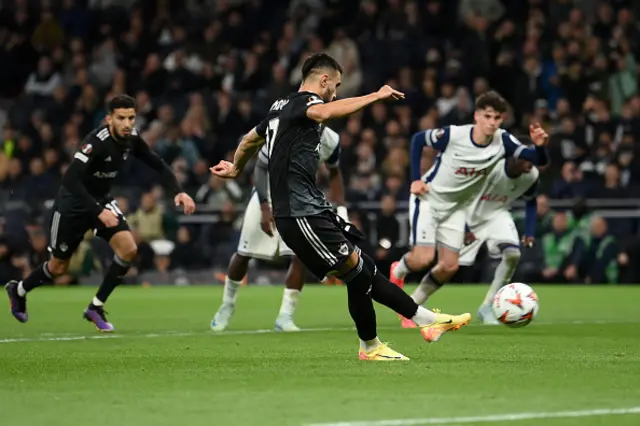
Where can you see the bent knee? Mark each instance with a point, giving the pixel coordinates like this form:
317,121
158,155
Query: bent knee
127,252
58,267
511,254
423,256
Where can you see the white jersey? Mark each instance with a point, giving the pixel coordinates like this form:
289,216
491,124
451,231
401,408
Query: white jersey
499,192
328,150
462,166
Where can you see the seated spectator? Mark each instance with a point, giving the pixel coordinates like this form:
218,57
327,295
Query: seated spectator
594,256
557,246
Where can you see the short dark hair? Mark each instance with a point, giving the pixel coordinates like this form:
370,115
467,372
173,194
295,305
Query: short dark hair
120,101
493,100
317,62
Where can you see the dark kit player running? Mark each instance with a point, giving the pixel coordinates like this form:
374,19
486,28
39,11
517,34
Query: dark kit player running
83,203
304,218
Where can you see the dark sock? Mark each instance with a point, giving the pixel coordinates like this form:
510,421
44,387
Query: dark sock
38,277
112,278
358,282
388,294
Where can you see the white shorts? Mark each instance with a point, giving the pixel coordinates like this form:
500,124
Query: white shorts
499,230
254,242
427,230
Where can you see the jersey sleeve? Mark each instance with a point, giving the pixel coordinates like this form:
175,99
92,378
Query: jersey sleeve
73,179
142,151
437,139
300,105
331,138
514,148
261,128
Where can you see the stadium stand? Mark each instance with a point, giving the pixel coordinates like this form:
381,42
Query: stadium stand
203,72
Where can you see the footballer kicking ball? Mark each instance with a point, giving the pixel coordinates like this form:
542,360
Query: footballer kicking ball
515,305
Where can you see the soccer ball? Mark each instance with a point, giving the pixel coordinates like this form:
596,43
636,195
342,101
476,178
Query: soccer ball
515,305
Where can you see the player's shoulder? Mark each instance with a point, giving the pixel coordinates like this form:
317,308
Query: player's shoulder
459,133
96,139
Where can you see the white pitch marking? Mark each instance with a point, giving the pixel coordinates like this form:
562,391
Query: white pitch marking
488,419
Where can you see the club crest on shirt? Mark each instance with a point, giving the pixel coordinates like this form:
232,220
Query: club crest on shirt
86,148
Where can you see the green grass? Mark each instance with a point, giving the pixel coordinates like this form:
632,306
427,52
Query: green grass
163,367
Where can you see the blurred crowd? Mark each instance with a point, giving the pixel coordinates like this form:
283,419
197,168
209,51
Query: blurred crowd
205,71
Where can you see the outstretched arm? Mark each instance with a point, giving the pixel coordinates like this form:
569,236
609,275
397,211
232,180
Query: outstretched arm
321,112
249,145
169,180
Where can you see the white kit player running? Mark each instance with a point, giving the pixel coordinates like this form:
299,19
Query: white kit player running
490,220
259,239
467,155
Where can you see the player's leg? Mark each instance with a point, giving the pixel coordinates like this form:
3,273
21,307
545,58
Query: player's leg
422,254
505,245
125,249
236,271
293,282
65,234
253,243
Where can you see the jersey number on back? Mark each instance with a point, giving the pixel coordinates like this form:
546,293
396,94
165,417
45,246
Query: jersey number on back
272,131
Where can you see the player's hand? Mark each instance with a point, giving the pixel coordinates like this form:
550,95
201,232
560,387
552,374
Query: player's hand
387,92
266,220
186,201
225,169
418,187
528,241
538,135
469,237
109,218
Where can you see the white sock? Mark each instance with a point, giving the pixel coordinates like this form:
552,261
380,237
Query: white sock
503,273
369,345
230,291
289,301
97,302
401,270
427,287
424,316
21,291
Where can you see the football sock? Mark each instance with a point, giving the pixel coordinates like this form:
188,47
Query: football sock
402,269
39,276
358,283
289,301
424,316
425,289
388,294
230,293
117,270
369,345
504,272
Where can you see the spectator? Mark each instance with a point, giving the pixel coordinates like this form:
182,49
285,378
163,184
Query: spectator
557,246
594,256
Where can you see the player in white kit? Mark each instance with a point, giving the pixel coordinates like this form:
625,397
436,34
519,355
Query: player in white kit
467,155
259,238
490,221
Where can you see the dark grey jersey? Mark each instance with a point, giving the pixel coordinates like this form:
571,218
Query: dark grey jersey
293,145
86,184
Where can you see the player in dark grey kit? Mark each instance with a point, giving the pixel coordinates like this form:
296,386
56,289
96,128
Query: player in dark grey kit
84,203
304,218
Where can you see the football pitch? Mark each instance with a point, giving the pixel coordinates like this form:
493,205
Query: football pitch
577,364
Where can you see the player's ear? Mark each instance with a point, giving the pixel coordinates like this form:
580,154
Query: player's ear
108,118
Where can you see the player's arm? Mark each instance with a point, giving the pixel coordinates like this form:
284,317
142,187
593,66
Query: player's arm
260,177
435,139
169,180
75,175
530,214
514,148
319,111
